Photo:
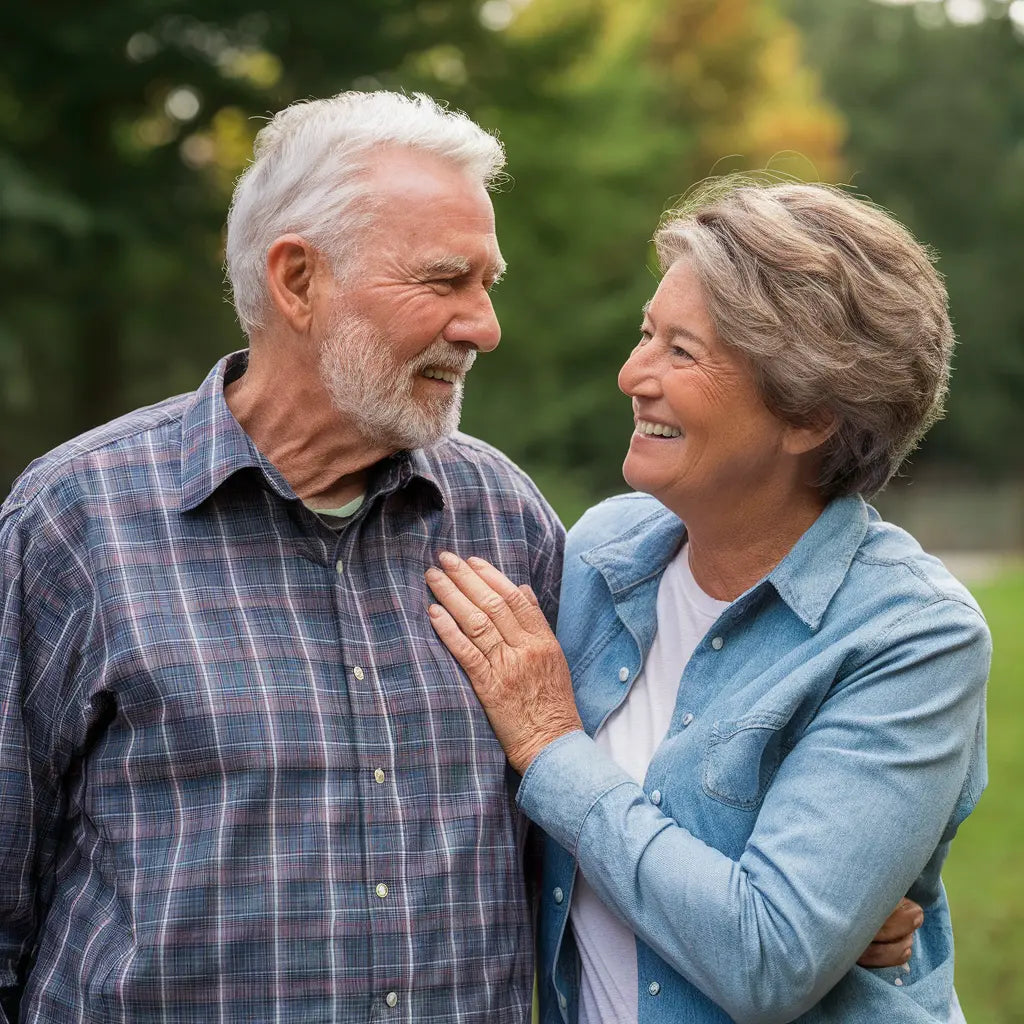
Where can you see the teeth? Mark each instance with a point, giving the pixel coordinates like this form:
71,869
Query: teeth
436,373
648,428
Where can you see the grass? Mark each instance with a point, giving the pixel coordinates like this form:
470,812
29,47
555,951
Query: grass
985,891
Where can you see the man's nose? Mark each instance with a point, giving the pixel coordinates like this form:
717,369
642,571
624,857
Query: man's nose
477,325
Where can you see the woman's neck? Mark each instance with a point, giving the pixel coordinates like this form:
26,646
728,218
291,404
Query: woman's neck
731,550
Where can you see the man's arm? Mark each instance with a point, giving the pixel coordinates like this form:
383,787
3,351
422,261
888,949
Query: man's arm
39,623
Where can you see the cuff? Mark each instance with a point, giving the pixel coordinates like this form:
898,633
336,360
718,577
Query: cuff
564,782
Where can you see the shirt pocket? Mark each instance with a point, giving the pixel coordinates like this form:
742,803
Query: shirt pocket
742,756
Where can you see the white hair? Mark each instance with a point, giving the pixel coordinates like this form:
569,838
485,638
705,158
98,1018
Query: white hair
308,175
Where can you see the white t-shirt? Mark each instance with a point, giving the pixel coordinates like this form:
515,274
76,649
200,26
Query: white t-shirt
630,736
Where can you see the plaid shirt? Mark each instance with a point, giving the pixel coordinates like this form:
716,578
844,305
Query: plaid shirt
240,778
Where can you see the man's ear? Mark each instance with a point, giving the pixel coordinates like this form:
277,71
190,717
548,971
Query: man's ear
293,266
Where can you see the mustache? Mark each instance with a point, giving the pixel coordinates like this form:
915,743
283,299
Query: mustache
445,356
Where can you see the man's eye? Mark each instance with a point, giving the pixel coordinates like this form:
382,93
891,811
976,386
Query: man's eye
645,336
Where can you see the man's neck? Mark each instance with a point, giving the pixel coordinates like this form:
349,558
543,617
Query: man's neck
281,403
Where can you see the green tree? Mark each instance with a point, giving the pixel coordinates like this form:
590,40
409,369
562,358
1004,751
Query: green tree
121,130
120,126
935,110
608,110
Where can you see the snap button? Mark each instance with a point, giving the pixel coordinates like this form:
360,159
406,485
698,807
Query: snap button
558,894
623,674
656,797
718,643
562,1001
654,988
687,719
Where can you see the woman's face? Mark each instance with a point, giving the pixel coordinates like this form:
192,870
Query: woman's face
702,431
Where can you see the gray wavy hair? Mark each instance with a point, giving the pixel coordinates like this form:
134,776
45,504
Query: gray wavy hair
308,173
835,307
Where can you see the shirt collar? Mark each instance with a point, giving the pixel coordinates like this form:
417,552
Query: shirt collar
214,447
806,579
809,576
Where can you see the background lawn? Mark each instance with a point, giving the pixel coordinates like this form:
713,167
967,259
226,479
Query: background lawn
981,876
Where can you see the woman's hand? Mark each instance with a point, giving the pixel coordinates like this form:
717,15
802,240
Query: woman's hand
894,942
499,636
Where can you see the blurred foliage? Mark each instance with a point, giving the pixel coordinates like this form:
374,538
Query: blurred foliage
933,95
121,129
123,125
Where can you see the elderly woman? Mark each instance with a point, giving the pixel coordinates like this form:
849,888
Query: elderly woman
780,696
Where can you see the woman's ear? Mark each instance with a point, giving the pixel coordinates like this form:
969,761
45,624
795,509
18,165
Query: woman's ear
803,439
292,266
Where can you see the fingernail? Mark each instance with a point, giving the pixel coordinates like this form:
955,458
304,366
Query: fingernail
434,611
448,560
434,574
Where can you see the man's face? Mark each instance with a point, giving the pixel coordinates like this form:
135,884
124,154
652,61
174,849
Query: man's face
413,308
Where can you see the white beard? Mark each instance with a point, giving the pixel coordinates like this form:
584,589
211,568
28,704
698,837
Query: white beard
374,392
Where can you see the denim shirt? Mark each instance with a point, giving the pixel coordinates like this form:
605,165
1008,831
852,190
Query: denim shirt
826,743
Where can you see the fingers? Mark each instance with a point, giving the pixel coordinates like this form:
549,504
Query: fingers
901,924
490,592
466,653
474,625
887,954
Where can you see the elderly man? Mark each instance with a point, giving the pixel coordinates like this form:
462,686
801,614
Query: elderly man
240,778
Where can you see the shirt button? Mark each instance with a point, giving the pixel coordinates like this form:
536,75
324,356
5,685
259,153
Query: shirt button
623,674
378,775
655,797
718,643
562,1001
357,672
381,890
654,988
558,894
687,719
339,566
391,999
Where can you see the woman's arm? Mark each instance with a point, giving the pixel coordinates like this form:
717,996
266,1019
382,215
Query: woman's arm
767,935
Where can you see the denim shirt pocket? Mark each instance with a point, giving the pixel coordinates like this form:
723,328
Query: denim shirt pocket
742,756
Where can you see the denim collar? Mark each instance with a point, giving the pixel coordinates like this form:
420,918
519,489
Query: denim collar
806,579
214,447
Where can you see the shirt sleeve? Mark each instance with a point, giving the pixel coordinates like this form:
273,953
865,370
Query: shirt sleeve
849,822
40,622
